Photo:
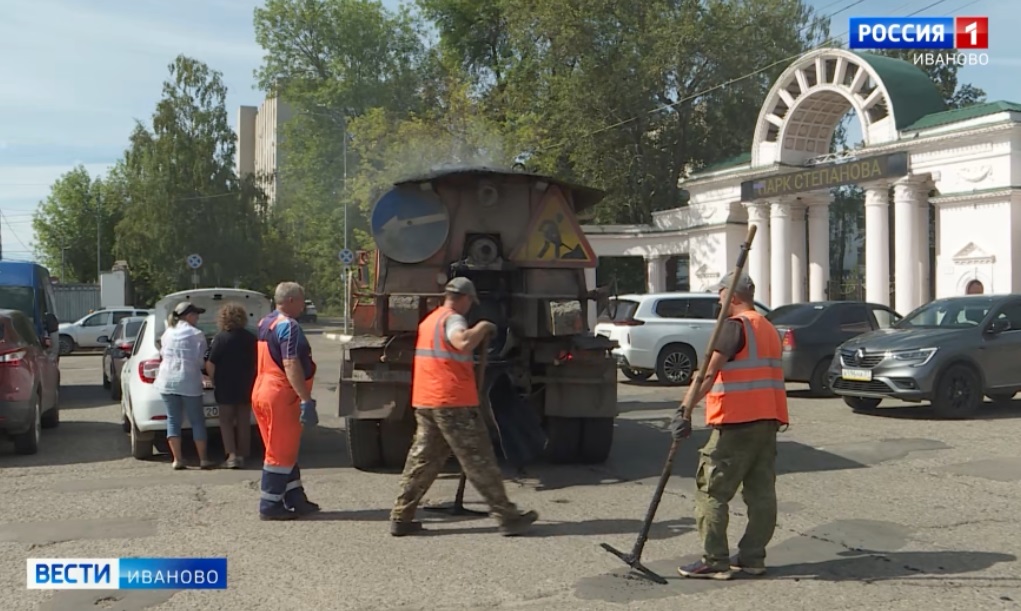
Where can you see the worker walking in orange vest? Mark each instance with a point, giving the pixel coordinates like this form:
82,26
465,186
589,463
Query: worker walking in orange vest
445,399
746,404
283,404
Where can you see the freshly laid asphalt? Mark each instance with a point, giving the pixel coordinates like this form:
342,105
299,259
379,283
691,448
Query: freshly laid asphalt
895,511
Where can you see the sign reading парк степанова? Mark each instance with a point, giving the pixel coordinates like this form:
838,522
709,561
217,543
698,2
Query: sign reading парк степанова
826,176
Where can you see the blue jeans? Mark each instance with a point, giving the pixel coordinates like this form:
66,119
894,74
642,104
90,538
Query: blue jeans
177,407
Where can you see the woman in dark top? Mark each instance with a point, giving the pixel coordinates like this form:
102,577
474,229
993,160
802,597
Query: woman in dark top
231,365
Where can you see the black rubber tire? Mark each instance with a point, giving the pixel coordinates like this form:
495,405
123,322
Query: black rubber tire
819,383
141,444
106,381
636,375
596,440
66,345
862,404
958,393
256,448
115,390
563,436
125,424
51,419
28,442
1002,398
363,443
676,351
395,439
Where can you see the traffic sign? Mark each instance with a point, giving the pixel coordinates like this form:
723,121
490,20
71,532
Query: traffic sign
346,256
194,261
554,238
409,225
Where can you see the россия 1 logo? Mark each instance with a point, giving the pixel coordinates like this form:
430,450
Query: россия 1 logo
941,40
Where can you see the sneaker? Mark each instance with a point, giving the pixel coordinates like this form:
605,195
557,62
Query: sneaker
701,570
519,524
735,565
207,465
233,463
179,466
401,529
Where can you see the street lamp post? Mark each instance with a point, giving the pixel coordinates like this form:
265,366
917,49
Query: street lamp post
99,235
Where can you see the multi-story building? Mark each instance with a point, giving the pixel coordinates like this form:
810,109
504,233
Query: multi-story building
258,150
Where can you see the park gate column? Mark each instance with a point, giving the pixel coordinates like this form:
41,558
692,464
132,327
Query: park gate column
655,273
799,255
818,250
877,244
758,258
780,254
906,260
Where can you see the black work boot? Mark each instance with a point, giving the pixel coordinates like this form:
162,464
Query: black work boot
519,524
401,529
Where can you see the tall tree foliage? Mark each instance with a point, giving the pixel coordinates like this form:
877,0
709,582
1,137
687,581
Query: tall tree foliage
180,191
79,214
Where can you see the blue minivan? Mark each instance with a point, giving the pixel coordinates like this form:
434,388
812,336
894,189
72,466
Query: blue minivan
26,287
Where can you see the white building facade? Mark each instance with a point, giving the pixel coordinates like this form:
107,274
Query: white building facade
258,143
965,163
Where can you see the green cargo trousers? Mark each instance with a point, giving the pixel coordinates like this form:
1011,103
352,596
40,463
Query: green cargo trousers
736,456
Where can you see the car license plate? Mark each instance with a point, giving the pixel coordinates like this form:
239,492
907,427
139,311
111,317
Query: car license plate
857,375
212,411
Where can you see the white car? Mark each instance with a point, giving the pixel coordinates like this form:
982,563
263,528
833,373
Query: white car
89,329
661,333
144,414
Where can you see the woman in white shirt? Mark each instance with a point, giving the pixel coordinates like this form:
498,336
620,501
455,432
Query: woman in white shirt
179,381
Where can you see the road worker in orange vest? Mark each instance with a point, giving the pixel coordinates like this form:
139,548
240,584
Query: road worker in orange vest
445,399
282,403
746,405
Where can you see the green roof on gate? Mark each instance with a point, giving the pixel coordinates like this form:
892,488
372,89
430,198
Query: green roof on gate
913,95
963,114
733,162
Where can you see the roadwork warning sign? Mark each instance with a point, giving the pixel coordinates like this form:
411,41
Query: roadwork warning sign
554,238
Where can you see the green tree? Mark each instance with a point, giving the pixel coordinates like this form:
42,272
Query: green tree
181,194
77,212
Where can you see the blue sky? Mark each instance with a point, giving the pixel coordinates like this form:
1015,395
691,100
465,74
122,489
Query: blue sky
77,74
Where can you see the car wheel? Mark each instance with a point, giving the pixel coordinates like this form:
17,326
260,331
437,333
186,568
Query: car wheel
28,442
106,379
676,365
819,384
115,388
862,404
958,393
141,443
636,375
66,345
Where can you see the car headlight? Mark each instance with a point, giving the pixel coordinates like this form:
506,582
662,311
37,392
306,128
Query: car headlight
915,358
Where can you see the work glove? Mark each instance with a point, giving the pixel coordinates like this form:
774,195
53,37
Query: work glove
309,416
680,427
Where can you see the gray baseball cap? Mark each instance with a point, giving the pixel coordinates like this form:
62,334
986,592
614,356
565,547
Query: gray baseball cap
462,286
187,307
744,285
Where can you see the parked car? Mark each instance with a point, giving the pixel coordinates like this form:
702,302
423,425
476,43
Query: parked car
89,329
950,352
29,383
661,333
309,314
810,333
118,349
143,412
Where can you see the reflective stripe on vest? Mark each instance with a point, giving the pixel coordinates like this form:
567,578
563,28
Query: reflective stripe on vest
753,361
440,345
750,387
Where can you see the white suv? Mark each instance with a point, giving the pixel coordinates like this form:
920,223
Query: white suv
661,333
91,331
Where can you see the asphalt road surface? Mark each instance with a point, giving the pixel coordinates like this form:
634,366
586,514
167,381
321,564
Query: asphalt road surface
898,511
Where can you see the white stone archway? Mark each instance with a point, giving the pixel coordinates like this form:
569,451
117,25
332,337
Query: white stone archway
965,163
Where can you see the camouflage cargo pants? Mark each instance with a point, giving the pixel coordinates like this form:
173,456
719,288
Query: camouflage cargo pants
440,430
737,456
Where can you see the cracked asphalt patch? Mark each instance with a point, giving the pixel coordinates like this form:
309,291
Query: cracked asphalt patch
879,513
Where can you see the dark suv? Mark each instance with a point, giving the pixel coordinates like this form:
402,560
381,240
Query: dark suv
950,352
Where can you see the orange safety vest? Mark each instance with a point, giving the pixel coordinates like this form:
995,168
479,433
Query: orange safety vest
750,387
442,376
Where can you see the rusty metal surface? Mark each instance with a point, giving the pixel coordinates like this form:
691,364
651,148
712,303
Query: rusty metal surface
584,197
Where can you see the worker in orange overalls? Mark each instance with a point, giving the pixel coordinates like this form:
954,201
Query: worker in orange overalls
746,405
282,402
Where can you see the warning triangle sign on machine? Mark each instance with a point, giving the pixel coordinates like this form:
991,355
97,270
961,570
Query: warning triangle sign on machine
554,238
